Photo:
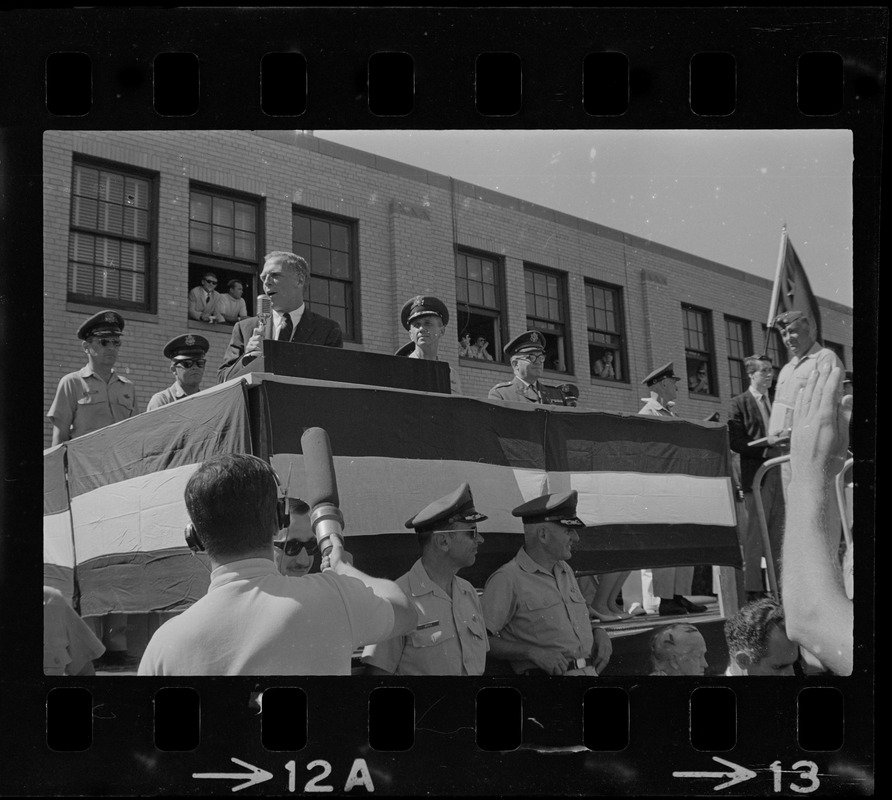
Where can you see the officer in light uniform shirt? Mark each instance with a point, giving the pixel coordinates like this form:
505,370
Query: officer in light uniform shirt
450,638
535,613
188,355
95,395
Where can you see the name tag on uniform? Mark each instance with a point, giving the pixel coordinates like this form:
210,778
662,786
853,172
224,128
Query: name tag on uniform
428,625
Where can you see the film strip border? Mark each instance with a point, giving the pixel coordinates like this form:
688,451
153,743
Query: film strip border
606,84
459,737
318,67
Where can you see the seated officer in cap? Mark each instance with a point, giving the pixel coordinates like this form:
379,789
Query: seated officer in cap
535,613
527,355
426,318
450,638
95,395
187,356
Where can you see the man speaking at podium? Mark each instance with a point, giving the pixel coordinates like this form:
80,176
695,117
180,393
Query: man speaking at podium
284,279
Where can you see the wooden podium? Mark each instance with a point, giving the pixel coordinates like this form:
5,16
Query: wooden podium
351,366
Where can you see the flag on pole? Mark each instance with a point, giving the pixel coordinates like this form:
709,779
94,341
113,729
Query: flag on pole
792,291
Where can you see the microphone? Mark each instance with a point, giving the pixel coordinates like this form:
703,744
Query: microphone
264,311
322,488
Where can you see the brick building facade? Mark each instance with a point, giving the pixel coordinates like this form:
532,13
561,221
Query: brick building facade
133,219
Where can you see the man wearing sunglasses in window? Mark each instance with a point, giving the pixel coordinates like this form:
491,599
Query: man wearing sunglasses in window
203,300
187,354
527,356
451,637
296,545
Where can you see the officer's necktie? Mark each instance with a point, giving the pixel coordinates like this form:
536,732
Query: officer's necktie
765,408
285,330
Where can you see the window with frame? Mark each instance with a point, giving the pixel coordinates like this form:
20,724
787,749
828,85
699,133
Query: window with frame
740,345
606,348
478,295
328,244
224,240
111,237
546,305
699,351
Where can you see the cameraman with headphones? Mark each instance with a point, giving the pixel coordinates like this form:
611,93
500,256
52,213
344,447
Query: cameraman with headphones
253,620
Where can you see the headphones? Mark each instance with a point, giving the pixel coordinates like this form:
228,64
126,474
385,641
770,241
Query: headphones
283,518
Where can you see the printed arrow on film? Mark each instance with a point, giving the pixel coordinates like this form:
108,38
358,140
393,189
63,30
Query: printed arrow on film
738,774
256,775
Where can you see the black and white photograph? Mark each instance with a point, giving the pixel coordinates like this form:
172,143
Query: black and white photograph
502,444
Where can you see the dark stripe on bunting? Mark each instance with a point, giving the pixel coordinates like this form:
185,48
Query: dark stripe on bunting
368,422
186,432
134,583
600,442
61,578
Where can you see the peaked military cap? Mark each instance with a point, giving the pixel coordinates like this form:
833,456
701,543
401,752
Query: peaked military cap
527,342
559,507
406,349
782,320
422,306
189,345
105,323
455,507
666,371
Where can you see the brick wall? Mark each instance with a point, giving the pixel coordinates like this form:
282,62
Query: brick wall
409,223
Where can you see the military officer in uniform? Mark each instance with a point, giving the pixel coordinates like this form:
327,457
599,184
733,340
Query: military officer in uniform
188,355
670,584
663,391
450,638
527,356
426,318
87,400
95,395
535,613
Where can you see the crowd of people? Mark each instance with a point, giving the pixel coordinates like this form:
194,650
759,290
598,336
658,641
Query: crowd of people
266,612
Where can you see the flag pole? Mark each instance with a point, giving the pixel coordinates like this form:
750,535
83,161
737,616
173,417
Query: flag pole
775,292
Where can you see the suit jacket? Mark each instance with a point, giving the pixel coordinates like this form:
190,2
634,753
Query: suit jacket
312,329
745,424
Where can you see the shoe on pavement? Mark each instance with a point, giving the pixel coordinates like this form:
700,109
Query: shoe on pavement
691,608
671,608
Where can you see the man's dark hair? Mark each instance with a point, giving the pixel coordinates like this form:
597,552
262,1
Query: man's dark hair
751,363
231,500
297,506
749,629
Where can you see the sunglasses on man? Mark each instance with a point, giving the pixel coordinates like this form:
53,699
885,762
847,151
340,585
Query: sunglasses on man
107,342
292,547
188,363
210,281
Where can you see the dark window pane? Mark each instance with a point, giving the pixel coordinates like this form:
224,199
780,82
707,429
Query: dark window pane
340,264
320,233
245,217
200,236
223,241
461,292
223,212
340,237
461,265
303,250
200,207
321,263
476,294
474,269
336,294
301,229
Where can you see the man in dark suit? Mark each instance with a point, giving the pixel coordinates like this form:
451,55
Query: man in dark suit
284,279
748,422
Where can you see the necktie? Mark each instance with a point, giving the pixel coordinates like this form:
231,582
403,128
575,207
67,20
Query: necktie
765,409
285,330
208,299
